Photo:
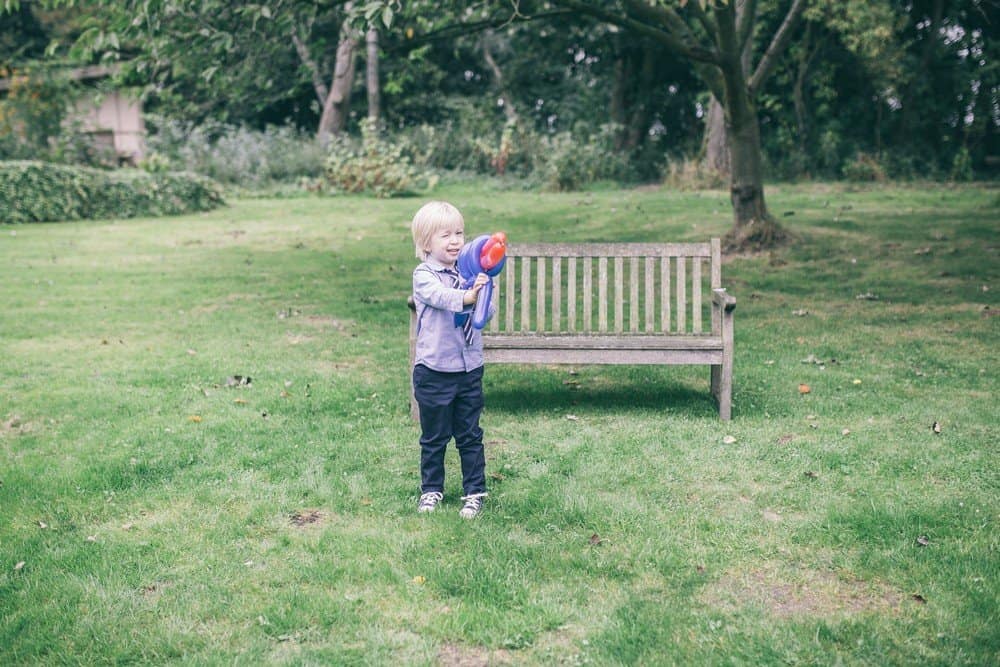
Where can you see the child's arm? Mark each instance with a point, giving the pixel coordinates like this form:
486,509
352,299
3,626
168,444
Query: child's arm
428,289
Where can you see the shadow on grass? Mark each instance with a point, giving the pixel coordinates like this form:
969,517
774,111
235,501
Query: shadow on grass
533,390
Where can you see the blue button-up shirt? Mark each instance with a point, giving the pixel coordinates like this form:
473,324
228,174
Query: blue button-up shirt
440,344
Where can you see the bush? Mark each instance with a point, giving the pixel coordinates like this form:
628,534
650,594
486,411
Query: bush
374,165
43,192
864,168
234,155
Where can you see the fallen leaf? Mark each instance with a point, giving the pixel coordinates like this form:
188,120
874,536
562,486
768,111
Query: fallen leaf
572,418
248,563
595,540
192,352
127,526
855,381
936,428
419,580
846,431
43,525
922,251
811,417
785,439
923,540
91,538
769,362
867,296
497,476
240,401
919,598
804,389
729,440
801,312
194,418
700,569
19,566
810,474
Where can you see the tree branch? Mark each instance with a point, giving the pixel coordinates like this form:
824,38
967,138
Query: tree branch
462,29
745,22
694,51
317,79
778,44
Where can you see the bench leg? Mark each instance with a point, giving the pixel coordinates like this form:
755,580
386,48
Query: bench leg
725,386
716,374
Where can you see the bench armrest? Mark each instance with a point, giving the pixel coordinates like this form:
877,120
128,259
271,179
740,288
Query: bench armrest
723,299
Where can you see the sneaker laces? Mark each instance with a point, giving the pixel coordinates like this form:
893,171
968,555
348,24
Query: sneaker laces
430,499
474,501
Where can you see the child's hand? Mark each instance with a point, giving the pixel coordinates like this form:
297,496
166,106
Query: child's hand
473,292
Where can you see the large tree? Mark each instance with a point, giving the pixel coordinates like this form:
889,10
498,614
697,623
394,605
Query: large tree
713,35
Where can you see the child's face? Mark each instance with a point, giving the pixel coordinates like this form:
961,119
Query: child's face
446,243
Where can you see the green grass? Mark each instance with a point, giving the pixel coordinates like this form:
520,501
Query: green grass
157,511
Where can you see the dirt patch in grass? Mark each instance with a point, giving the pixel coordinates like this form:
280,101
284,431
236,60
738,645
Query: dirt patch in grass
791,592
456,655
14,425
304,518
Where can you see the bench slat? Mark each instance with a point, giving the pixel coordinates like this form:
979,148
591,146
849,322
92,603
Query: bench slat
511,271
594,342
526,294
540,297
633,293
602,294
696,295
681,295
649,293
557,294
619,294
571,295
588,294
609,249
665,294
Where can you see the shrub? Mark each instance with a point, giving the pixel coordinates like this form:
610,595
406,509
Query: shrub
232,154
374,165
864,168
43,192
693,174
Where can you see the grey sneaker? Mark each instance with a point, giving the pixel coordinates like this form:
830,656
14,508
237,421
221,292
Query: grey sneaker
428,501
473,505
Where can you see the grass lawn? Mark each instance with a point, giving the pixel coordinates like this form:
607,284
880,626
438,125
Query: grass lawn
151,513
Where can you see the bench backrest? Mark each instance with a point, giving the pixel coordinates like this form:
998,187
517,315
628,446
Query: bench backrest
619,288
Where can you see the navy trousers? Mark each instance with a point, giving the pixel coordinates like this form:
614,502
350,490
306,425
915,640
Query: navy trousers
450,405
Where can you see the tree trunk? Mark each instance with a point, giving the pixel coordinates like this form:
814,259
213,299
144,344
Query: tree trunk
716,144
753,226
371,77
336,106
638,124
616,106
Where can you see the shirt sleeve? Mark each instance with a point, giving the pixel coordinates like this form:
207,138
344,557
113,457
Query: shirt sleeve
427,288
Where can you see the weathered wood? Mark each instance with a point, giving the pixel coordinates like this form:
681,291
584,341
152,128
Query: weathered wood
650,305
610,249
696,295
526,294
657,329
619,294
681,295
540,299
556,293
571,295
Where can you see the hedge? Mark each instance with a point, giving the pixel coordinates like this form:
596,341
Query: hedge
42,192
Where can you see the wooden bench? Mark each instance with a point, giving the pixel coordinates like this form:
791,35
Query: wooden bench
613,303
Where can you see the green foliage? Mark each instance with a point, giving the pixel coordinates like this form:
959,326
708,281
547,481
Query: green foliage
375,164
31,112
864,168
233,154
43,192
961,166
568,162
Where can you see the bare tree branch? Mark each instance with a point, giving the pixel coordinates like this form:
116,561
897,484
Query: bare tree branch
317,77
778,44
745,22
664,36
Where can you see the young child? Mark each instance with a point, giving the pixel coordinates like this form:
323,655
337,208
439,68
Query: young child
448,365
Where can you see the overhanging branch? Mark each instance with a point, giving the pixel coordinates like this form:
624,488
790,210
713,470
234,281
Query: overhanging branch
777,46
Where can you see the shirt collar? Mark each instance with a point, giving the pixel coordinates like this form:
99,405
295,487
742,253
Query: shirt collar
437,266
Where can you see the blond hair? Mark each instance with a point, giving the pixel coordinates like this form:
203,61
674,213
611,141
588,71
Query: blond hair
430,219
